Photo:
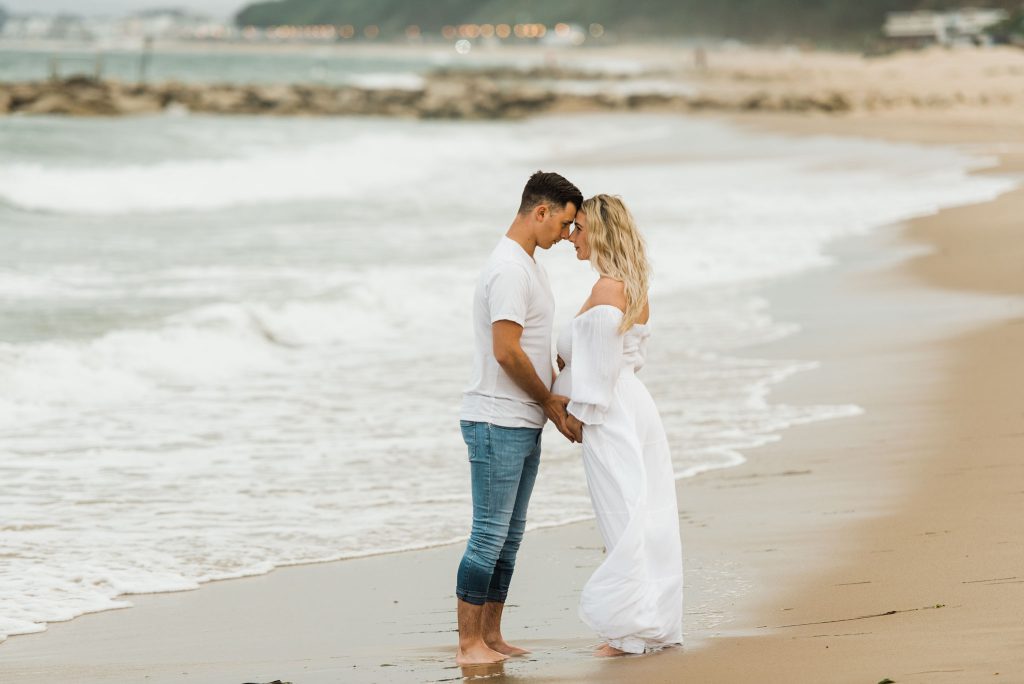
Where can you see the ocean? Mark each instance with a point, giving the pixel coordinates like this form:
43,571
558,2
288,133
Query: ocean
229,344
199,64
367,66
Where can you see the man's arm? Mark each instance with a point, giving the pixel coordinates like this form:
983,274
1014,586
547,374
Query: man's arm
509,354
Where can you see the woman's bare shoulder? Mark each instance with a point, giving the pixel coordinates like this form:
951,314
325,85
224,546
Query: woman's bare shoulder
610,292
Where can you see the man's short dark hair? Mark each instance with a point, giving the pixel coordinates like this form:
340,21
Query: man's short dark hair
549,188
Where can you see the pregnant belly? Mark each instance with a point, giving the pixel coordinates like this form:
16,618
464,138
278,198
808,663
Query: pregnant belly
563,383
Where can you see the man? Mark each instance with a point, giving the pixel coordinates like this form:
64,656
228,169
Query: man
505,407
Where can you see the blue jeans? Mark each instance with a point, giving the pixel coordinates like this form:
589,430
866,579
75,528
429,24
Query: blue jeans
503,467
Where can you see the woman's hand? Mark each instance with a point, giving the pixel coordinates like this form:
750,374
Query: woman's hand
575,427
560,362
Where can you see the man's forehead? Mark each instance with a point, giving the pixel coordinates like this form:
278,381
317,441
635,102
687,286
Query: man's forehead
570,209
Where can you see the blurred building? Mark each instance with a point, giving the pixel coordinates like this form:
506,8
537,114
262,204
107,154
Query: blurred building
174,24
922,28
162,24
32,27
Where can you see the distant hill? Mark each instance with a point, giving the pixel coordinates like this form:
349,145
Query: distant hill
757,20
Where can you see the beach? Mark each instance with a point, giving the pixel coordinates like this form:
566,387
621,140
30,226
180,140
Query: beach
865,547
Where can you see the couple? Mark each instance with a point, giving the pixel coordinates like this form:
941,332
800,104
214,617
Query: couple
634,600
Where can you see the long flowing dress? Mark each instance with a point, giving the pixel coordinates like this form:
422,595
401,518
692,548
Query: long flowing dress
634,600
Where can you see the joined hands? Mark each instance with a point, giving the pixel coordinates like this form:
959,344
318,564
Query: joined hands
570,426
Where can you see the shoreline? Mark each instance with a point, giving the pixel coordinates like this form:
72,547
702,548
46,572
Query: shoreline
546,564
947,83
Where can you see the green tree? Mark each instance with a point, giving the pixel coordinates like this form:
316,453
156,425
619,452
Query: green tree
753,20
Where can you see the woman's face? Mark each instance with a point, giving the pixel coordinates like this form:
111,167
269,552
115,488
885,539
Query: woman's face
578,237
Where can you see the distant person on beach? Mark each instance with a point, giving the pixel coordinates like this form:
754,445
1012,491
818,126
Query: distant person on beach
634,600
505,407
700,59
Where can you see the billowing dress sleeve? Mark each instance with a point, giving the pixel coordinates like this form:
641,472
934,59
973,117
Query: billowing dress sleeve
596,362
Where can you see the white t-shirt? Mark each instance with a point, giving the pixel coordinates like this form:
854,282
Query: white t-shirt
512,287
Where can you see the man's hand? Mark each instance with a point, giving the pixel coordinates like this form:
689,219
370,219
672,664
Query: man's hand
575,426
554,409
513,360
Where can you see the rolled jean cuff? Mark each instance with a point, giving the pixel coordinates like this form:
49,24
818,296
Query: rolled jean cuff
496,597
469,597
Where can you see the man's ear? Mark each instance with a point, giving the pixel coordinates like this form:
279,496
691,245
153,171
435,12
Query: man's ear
540,212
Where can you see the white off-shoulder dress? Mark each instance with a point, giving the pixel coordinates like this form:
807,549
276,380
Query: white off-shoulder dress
634,600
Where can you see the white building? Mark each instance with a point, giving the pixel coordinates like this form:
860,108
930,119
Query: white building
33,27
167,25
171,24
946,28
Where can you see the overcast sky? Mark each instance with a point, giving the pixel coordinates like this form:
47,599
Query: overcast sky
217,8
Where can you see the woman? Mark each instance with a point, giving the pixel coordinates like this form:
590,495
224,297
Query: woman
634,600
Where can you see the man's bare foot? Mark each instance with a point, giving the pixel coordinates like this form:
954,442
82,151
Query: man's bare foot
502,646
606,651
478,653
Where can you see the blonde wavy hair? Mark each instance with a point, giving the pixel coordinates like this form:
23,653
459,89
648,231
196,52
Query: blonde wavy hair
617,250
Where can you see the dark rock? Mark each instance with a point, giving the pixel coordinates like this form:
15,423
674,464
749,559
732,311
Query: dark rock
491,94
130,103
55,103
756,101
837,102
649,101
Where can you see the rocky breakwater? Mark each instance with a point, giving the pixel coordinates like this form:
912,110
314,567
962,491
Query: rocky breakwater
443,95
465,98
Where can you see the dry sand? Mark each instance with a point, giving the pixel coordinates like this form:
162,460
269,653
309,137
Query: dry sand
886,545
948,79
